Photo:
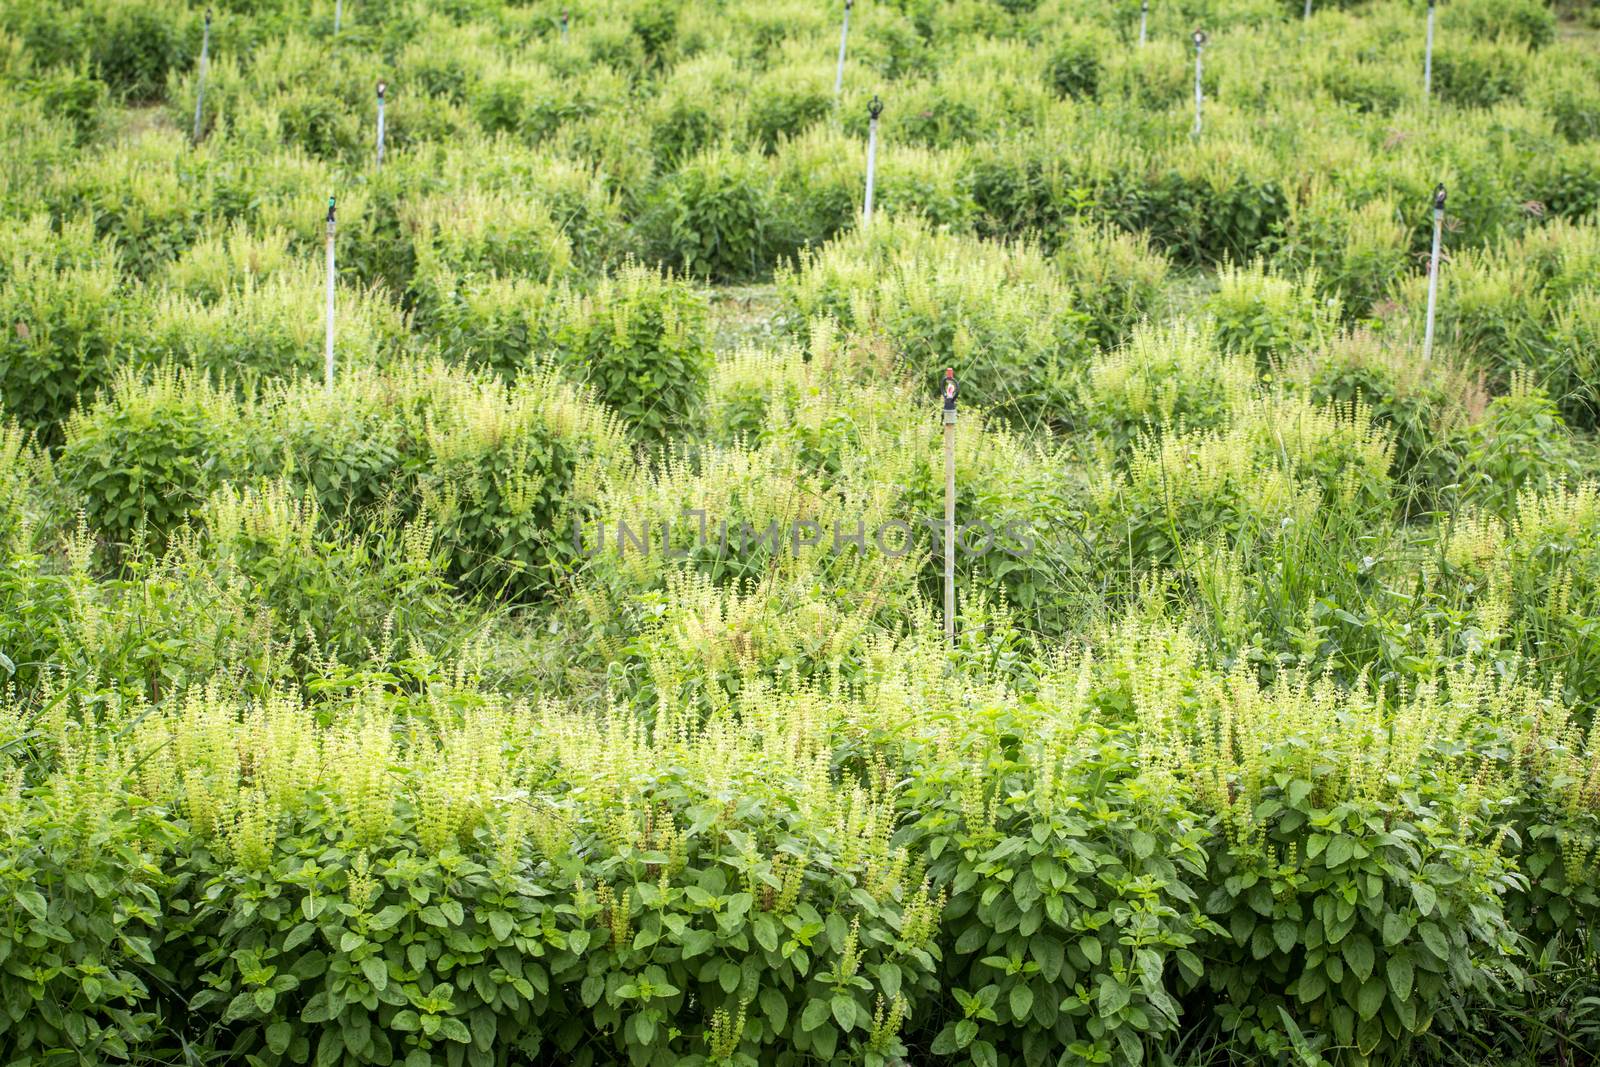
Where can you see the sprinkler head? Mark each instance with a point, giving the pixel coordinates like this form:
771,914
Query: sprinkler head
382,85
949,388
208,16
330,211
848,4
1199,38
1438,197
875,108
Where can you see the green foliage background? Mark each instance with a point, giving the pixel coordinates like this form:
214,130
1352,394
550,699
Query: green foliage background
340,723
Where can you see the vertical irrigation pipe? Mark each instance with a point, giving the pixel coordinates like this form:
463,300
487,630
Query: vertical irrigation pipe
1144,19
200,91
563,25
950,504
1433,271
327,348
1199,93
382,86
874,109
844,38
1308,10
1427,57
338,14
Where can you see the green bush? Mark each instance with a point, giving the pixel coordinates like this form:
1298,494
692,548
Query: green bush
504,473
1528,22
1117,278
1070,932
259,331
143,456
640,340
1267,316
333,594
1075,69
1477,75
1521,442
1355,911
1173,376
83,894
62,306
718,216
135,195
1001,315
1355,253
1422,406
500,323
778,112
479,234
1272,466
74,95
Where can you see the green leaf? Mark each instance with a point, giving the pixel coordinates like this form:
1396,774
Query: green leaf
844,1011
299,936
1312,985
33,903
1395,928
1114,996
1358,954
378,974
1424,895
1340,849
1435,940
1400,976
776,1008
279,1034
1021,1001
814,1015
766,928
889,979
1370,998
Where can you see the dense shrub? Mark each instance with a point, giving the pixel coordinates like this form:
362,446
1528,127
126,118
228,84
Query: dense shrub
73,95
149,451
999,314
641,342
1115,277
777,112
1477,75
1526,21
1163,377
1521,442
1270,317
1075,69
567,680
717,216
61,309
